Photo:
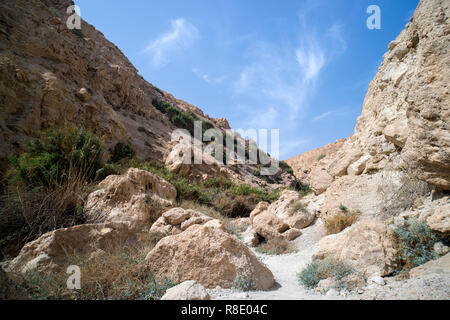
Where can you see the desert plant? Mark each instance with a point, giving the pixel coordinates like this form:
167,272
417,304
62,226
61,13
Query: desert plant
285,167
48,160
343,208
340,221
276,246
122,151
243,283
242,206
116,274
320,157
416,242
311,275
298,205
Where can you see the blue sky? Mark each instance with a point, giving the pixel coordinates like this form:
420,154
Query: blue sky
301,66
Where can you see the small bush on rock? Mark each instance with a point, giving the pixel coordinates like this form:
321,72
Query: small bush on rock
316,271
340,221
416,243
276,246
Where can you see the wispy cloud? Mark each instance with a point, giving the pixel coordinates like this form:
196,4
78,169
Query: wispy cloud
331,113
207,78
180,36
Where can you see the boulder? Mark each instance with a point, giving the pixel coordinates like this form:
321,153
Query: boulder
177,220
439,221
138,197
369,246
269,226
285,209
188,290
209,255
439,266
52,250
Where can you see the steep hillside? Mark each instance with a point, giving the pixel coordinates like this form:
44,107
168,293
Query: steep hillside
51,76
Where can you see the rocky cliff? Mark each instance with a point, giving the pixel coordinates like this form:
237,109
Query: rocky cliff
51,76
403,132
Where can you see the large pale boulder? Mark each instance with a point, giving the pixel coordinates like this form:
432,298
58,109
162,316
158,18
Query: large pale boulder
439,221
368,245
290,209
440,266
177,220
209,255
138,197
269,226
188,290
53,250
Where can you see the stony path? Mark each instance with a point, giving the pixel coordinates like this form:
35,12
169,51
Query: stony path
284,269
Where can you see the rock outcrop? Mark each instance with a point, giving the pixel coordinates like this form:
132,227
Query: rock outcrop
368,245
404,125
138,197
177,220
188,290
52,250
208,255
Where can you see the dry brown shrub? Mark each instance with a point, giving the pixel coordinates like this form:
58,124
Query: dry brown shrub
276,246
340,221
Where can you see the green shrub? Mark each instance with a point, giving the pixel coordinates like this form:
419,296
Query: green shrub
122,151
58,154
285,167
243,283
262,194
78,33
316,271
416,243
320,157
343,208
303,189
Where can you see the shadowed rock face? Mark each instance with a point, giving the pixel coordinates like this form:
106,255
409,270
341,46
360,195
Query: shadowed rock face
406,113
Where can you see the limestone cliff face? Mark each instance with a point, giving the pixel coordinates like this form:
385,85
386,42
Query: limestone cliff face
50,76
405,120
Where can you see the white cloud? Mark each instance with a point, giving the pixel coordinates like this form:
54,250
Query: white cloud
323,115
207,78
180,36
311,59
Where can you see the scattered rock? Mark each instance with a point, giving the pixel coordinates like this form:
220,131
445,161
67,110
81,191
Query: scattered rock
440,220
188,290
326,285
177,220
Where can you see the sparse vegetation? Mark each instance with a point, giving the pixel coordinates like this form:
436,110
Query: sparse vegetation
122,151
320,157
243,283
117,275
298,205
343,208
340,221
276,246
78,33
316,271
57,156
180,118
416,242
